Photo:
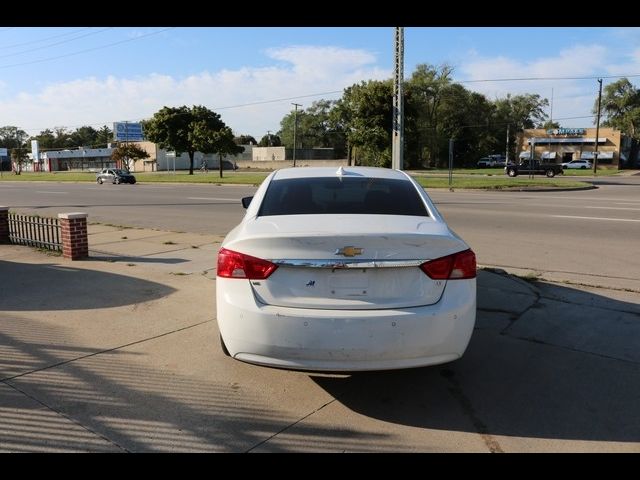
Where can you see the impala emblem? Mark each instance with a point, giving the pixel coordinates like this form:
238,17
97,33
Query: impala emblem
349,251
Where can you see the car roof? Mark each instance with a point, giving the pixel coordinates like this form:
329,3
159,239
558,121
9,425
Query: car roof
368,172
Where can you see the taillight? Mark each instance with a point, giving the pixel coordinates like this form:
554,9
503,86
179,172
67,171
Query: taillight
458,266
238,265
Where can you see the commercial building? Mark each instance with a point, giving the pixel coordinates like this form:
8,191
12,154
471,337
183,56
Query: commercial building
91,159
560,145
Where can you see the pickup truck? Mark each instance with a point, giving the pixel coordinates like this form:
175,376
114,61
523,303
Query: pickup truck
535,167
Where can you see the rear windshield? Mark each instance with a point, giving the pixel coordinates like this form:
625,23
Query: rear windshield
351,195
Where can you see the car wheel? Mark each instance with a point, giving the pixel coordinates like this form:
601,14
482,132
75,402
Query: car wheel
512,172
117,181
583,168
224,347
99,181
550,173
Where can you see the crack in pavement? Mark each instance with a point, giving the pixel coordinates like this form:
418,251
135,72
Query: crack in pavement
467,407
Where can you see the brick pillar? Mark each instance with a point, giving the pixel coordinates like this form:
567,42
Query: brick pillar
73,227
4,224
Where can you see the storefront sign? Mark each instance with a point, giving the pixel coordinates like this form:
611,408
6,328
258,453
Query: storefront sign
567,131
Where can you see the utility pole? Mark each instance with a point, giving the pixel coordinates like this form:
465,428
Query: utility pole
531,158
506,155
595,152
126,142
397,135
451,164
269,137
295,127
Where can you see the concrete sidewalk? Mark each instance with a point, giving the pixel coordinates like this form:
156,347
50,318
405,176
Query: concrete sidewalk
120,352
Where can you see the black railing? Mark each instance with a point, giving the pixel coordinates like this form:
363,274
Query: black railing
35,231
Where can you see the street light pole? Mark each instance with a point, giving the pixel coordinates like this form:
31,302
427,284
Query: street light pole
295,127
595,152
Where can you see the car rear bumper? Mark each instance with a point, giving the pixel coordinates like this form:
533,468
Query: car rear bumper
345,340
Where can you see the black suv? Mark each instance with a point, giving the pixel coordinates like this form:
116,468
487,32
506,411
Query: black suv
115,175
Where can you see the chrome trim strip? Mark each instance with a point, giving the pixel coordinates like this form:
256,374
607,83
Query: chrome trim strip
332,263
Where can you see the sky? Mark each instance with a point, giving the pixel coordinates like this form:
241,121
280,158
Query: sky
73,76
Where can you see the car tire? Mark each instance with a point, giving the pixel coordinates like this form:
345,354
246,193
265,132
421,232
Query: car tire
512,172
224,347
99,181
133,181
583,168
550,173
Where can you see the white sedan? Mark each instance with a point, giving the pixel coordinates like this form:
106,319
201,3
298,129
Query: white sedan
344,270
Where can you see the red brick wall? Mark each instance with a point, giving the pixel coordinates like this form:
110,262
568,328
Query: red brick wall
73,227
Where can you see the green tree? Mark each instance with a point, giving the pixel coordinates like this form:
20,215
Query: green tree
126,152
62,138
46,139
317,128
104,136
365,114
84,137
220,141
19,156
519,112
270,140
11,137
621,107
425,91
245,140
184,129
465,116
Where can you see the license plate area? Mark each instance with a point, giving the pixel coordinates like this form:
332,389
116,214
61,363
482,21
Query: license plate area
345,283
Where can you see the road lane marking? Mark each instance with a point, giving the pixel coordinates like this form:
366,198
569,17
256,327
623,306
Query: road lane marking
44,191
597,218
213,198
615,208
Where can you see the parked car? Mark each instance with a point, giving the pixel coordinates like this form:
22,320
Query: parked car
487,162
491,161
582,164
115,175
344,270
228,165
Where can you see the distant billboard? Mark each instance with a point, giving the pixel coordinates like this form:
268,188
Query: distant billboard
127,132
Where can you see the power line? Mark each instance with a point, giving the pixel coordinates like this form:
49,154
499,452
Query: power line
278,100
336,91
544,78
73,32
54,44
213,108
86,50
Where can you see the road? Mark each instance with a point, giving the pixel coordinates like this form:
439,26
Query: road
587,236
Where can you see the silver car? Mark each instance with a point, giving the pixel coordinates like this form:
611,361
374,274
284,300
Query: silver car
115,175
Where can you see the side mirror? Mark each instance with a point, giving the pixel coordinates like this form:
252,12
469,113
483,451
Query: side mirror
246,201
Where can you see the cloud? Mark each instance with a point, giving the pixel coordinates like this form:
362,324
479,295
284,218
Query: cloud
571,98
296,71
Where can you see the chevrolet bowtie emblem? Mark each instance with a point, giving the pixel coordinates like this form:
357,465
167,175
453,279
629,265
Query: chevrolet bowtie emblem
349,251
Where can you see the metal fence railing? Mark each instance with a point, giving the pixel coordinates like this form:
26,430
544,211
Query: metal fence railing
42,232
